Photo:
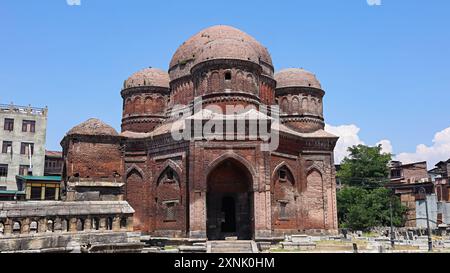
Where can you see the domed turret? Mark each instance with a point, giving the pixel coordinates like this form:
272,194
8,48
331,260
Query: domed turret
227,49
299,95
186,54
93,127
296,77
91,152
145,96
148,77
221,59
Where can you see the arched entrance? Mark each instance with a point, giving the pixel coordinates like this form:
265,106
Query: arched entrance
229,201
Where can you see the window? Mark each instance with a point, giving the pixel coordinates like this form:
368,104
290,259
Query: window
50,193
3,170
227,75
171,211
282,174
170,175
283,214
396,173
7,147
35,193
29,126
9,124
25,148
23,170
123,223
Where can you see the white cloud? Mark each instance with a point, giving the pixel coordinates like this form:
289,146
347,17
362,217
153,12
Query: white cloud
374,2
73,2
386,146
439,150
349,136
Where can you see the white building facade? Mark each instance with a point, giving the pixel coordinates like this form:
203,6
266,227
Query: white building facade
22,139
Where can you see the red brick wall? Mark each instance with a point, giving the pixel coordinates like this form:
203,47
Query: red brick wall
136,194
415,172
214,80
314,200
143,108
149,195
93,159
182,91
229,178
284,191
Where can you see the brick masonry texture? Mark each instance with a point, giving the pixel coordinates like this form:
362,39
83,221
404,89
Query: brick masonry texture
182,188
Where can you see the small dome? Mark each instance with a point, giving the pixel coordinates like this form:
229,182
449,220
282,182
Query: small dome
227,49
191,48
296,77
148,77
93,127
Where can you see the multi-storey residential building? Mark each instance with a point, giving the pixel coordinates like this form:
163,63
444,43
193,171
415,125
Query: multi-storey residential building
406,180
22,139
53,163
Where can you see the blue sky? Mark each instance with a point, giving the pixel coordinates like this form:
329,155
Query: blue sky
385,69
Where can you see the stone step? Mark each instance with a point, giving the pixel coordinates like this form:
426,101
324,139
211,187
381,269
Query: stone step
231,247
232,242
231,251
192,249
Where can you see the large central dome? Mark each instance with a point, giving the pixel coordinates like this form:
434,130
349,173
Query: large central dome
188,53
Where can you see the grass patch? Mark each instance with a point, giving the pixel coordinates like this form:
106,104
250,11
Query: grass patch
370,234
170,247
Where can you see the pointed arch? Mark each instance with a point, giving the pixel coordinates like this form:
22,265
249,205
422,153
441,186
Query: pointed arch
295,105
251,85
214,82
232,155
239,79
135,168
170,165
283,164
138,105
148,104
304,105
129,106
314,167
284,105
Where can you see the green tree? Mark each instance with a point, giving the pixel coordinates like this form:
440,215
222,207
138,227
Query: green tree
361,209
364,202
365,167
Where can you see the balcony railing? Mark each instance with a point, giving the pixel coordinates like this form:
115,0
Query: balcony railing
23,109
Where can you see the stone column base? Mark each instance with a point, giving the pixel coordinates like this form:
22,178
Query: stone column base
198,234
262,234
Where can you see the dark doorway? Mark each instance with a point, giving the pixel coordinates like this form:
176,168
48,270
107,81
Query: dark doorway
229,202
228,215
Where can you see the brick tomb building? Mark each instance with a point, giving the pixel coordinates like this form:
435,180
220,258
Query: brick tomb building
220,184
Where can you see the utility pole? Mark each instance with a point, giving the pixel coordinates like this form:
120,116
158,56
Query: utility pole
430,241
392,225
